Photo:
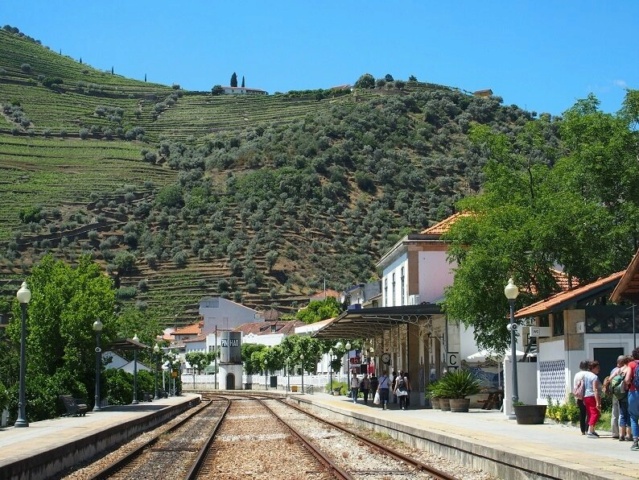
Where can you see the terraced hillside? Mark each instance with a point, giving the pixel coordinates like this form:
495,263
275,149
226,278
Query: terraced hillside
260,199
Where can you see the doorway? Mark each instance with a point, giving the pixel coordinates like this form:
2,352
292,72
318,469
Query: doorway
230,381
607,358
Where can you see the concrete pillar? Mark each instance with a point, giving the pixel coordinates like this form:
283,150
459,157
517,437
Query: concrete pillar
415,371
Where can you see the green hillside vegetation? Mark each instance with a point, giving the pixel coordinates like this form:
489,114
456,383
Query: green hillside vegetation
260,199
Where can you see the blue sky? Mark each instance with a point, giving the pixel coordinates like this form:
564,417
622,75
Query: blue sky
541,55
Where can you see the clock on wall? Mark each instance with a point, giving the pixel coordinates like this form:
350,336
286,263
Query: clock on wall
386,358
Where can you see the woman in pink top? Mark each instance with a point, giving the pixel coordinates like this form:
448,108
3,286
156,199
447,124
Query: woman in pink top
592,397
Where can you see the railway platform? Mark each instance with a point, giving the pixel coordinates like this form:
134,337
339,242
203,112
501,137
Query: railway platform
483,439
488,440
46,448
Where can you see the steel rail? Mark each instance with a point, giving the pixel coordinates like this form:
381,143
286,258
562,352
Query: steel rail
121,463
201,456
323,459
434,472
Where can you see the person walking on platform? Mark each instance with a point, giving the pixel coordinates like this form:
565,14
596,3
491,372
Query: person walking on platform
384,388
374,384
633,399
579,377
614,386
392,387
592,397
622,400
364,387
401,390
354,387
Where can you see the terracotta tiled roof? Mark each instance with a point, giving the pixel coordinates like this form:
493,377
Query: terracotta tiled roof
564,282
628,286
443,226
567,297
194,329
266,328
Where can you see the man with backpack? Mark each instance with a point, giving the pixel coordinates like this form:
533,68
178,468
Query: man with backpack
615,386
632,383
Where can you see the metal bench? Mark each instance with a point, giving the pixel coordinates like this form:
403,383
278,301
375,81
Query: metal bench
74,406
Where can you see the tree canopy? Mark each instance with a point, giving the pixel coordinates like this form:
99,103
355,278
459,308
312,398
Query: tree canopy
318,310
543,207
60,342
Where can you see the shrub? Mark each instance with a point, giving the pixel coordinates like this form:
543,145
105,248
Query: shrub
25,67
84,133
52,82
180,259
126,293
125,261
30,214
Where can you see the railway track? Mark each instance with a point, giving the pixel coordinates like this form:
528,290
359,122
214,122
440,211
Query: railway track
169,452
238,437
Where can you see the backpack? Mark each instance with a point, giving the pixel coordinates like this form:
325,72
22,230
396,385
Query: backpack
401,385
635,378
618,387
579,389
607,388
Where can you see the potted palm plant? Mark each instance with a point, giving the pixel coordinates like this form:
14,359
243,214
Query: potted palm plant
529,414
433,394
458,385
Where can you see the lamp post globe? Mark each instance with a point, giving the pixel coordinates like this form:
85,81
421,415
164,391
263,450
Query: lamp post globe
97,328
135,370
156,354
511,291
24,297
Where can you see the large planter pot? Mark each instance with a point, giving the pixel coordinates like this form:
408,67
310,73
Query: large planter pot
530,414
444,404
434,402
459,404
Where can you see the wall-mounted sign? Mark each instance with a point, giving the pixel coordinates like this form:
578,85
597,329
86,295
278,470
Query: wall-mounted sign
452,359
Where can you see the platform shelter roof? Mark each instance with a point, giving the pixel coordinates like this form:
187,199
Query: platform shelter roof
369,322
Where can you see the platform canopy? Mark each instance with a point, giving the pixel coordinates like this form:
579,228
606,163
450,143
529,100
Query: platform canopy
126,344
370,322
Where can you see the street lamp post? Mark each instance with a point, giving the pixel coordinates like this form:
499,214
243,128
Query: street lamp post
302,359
156,354
265,374
330,366
511,291
135,370
97,328
348,359
288,374
24,296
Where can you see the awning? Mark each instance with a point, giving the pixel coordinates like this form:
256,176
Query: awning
628,286
370,322
126,344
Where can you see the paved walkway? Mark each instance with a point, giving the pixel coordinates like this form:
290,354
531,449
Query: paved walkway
552,444
42,439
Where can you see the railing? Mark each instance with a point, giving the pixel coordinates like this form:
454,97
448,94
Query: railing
312,383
